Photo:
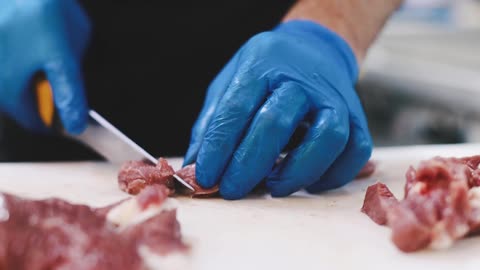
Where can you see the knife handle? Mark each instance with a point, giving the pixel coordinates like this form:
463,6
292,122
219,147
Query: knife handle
45,104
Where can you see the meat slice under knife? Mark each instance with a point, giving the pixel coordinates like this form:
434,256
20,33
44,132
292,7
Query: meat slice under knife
187,173
136,175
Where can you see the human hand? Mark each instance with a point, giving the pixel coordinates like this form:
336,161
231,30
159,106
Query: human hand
50,37
299,71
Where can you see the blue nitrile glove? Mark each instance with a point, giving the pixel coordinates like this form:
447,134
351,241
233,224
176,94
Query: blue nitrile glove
258,100
48,36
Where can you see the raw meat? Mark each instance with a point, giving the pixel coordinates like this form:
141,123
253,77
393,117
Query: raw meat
367,170
408,233
473,167
55,234
441,204
187,173
160,233
379,199
135,175
103,211
153,194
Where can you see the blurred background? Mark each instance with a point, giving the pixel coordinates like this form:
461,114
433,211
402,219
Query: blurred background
421,80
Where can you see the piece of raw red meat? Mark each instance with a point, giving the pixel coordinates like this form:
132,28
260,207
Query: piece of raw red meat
153,194
441,204
187,173
135,175
160,233
473,166
367,170
408,233
378,200
55,234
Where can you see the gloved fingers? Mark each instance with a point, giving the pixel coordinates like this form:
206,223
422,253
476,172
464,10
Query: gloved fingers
65,78
214,94
269,132
349,163
26,113
245,94
18,100
356,110
323,143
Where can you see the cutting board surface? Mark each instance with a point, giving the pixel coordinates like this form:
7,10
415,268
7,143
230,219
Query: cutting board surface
303,231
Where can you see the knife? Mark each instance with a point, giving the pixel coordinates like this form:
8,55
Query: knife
100,135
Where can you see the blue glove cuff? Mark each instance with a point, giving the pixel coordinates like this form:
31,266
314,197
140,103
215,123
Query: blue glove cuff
327,40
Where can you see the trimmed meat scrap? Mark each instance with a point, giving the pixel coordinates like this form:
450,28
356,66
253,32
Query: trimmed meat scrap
379,199
408,233
441,204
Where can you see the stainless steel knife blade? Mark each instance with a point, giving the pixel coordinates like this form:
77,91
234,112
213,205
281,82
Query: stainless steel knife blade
99,135
112,144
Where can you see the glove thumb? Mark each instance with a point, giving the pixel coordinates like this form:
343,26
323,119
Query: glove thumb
65,78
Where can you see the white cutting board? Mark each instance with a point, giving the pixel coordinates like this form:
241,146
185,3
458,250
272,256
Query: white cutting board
300,232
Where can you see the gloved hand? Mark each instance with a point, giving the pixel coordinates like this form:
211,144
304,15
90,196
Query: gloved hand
48,36
253,106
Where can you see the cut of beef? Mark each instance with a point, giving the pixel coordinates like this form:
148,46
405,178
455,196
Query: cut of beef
441,204
135,175
55,234
367,170
187,173
160,233
153,194
377,201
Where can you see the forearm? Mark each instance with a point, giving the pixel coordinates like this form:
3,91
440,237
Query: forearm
357,21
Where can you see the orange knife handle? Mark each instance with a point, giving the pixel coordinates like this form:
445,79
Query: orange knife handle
45,104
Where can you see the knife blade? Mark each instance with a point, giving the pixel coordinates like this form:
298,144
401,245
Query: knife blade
111,143
100,135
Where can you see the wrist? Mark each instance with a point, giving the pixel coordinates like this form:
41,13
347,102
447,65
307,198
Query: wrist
333,18
358,22
327,41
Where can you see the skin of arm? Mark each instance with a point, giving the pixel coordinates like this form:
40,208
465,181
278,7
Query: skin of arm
357,21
